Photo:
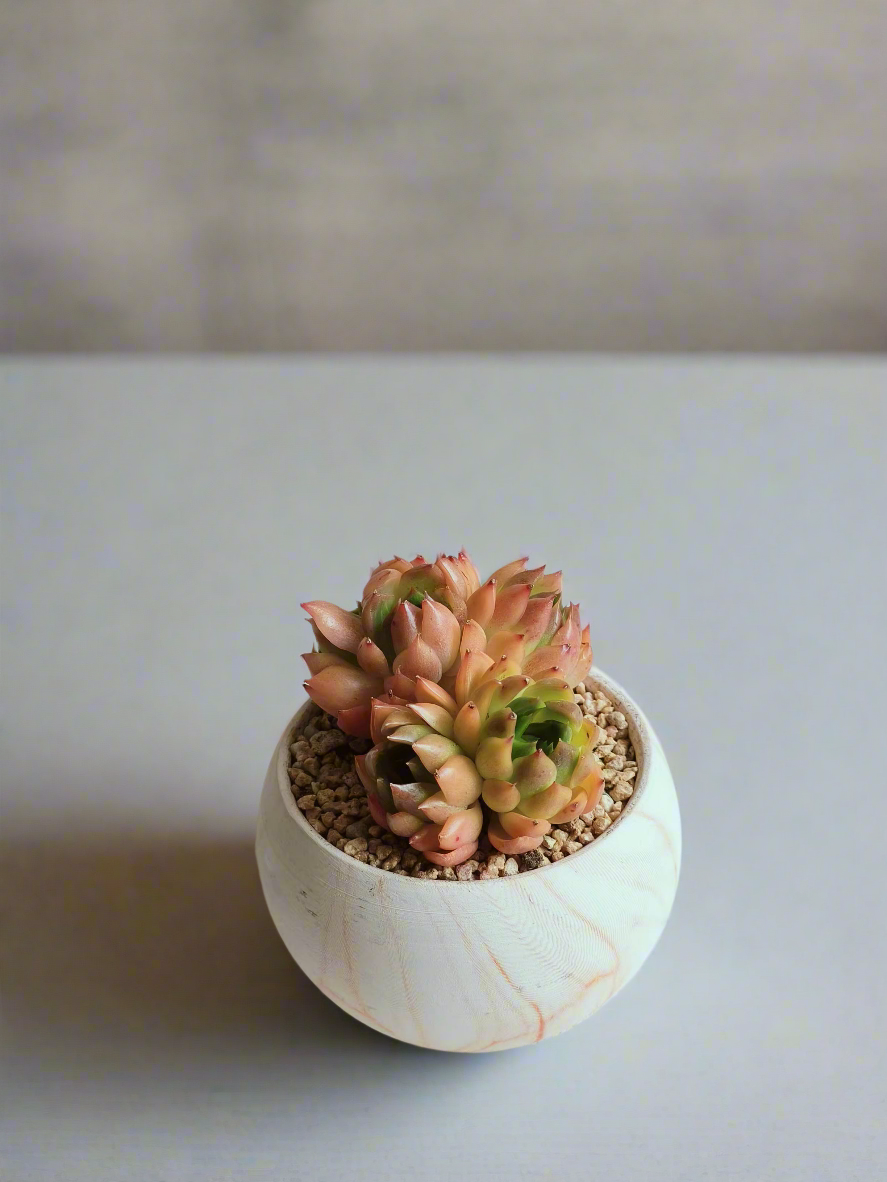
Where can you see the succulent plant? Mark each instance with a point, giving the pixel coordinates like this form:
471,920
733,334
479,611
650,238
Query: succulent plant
509,754
418,620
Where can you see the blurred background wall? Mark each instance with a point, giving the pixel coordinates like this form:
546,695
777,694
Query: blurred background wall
443,174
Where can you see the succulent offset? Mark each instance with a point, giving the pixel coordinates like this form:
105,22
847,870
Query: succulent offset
466,689
522,748
418,619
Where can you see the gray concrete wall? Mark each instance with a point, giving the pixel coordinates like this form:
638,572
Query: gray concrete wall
400,174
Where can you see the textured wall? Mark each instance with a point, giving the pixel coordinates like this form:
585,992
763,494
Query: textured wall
512,174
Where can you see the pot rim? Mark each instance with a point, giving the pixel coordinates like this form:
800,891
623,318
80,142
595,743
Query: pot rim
641,739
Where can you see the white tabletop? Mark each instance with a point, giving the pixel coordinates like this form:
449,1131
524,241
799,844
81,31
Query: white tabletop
721,524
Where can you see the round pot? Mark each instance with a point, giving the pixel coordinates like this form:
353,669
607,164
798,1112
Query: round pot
476,966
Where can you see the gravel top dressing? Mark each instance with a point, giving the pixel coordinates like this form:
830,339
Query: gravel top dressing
327,789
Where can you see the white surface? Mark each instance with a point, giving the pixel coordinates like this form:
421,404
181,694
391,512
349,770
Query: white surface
487,966
443,174
722,526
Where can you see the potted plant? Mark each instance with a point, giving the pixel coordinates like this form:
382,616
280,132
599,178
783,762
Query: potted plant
467,838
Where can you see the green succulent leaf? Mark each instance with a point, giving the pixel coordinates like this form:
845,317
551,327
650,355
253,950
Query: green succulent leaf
382,611
524,706
522,747
411,733
418,583
522,723
540,693
547,733
383,789
564,758
417,768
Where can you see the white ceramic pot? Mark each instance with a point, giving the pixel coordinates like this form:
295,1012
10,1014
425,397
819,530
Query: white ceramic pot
476,966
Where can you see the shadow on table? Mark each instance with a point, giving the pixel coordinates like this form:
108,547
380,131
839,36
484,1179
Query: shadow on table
143,949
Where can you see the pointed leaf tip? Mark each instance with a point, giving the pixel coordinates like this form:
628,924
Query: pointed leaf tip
343,629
